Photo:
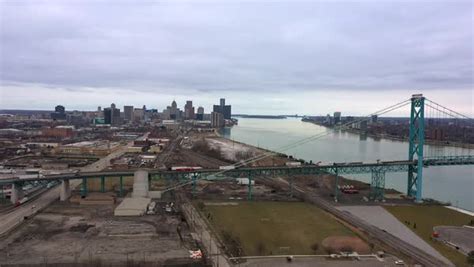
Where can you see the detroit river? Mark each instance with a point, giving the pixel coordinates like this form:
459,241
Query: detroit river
454,183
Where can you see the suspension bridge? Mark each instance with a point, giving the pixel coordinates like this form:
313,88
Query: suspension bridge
427,119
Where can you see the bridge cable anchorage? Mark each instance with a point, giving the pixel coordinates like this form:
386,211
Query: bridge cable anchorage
300,142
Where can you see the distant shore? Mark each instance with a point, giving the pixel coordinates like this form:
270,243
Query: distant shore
396,138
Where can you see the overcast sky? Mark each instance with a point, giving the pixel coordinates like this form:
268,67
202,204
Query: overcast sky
270,57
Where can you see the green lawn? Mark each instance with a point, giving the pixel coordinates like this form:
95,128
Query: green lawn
265,228
426,217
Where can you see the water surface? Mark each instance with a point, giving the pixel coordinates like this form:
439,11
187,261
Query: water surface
454,183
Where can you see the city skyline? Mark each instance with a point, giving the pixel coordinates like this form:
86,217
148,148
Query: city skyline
336,55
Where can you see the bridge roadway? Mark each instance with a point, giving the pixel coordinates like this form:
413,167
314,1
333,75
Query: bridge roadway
340,168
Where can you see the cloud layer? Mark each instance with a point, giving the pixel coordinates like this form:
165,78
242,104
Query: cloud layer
233,49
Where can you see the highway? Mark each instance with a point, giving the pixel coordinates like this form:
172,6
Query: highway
13,218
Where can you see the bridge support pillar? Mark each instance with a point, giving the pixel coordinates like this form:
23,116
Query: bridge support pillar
249,196
65,192
121,186
415,149
102,184
336,185
84,188
291,183
377,185
194,177
17,193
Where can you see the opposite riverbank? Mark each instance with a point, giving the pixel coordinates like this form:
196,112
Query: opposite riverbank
394,138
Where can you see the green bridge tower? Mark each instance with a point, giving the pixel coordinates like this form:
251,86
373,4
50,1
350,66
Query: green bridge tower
415,149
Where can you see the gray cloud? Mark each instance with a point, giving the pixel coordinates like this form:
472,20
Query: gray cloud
214,47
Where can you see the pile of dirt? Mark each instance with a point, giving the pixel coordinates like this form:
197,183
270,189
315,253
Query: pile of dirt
336,244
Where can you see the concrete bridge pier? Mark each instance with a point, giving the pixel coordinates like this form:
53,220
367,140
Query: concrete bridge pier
65,192
17,193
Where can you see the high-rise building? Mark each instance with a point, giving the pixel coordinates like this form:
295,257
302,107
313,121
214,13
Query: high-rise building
337,117
200,114
172,112
115,115
189,110
223,109
217,120
107,115
138,115
128,113
59,113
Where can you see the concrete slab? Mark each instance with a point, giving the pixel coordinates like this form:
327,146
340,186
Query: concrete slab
463,237
384,220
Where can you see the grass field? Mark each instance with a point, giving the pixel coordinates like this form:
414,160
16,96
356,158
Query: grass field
427,217
265,228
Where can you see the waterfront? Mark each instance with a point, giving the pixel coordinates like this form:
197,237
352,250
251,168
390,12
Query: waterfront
454,184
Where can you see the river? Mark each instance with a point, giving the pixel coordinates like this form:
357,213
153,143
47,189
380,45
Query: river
453,184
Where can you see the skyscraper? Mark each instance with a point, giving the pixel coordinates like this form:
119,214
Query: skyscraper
115,115
59,113
128,113
200,114
189,110
217,120
224,109
107,115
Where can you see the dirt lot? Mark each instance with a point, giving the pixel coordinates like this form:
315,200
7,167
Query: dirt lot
70,233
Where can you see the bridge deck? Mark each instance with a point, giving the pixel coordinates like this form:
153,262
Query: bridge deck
342,168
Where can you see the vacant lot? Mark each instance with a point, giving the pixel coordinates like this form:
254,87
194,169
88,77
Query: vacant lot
67,233
265,228
427,217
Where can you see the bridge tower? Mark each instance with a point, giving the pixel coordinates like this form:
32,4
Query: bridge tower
415,149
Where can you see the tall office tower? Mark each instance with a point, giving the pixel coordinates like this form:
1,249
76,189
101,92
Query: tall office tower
115,115
128,113
138,115
217,120
189,110
337,117
107,115
223,109
59,113
200,114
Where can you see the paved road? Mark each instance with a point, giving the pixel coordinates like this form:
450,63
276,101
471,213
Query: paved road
11,219
384,220
463,237
210,244
310,262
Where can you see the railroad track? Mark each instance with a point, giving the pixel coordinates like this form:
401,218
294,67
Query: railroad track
394,242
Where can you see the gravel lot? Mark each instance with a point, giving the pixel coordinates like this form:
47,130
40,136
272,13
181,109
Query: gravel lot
463,237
